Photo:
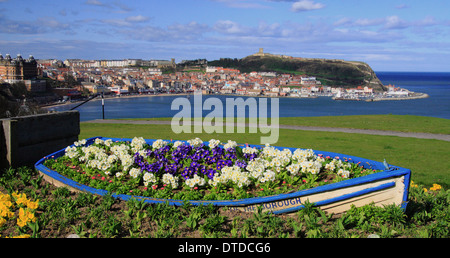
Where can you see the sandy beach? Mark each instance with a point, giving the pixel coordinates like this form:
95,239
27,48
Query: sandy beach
111,97
415,96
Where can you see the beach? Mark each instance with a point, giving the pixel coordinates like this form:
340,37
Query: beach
46,106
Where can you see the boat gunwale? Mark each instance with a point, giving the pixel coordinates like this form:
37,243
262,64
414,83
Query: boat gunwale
391,172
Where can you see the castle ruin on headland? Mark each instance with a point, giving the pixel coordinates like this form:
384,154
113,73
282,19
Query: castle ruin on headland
262,54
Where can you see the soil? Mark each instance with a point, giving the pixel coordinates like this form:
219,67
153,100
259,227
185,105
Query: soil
148,228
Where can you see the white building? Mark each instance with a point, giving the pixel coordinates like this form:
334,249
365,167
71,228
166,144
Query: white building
211,69
308,80
154,71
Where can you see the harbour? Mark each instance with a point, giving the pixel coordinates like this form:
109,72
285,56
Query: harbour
433,102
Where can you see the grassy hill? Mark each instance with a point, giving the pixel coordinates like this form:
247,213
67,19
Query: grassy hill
330,72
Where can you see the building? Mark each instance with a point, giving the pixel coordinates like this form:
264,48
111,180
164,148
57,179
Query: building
36,85
262,54
17,69
308,80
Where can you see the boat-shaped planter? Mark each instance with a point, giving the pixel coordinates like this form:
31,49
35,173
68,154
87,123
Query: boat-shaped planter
383,188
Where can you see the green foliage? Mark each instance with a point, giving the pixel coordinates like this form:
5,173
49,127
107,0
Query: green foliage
329,71
62,212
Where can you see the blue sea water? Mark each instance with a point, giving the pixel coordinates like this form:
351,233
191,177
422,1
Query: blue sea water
436,85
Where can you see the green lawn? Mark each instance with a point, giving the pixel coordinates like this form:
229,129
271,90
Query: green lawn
401,123
404,123
428,159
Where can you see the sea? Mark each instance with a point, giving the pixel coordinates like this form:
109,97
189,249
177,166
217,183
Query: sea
435,84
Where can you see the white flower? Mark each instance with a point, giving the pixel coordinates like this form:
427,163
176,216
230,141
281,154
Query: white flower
293,168
269,175
112,158
137,144
196,180
249,150
312,167
104,166
343,173
149,178
169,179
330,166
213,143
80,143
108,142
232,174
71,152
197,142
135,172
230,145
177,143
158,144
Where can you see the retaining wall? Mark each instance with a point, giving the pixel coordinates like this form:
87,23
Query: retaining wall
25,140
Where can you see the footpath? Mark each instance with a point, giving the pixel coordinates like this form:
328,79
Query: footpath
442,137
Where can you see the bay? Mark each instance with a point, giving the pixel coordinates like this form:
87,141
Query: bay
436,85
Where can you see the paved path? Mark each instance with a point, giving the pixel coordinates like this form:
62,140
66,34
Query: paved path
442,137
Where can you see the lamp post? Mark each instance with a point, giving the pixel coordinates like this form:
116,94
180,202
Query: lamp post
91,98
103,107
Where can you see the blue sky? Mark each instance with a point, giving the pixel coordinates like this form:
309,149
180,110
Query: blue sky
390,35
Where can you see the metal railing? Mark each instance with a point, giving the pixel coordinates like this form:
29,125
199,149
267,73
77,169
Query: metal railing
91,98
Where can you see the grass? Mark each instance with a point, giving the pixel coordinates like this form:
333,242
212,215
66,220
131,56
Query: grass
426,158
401,123
61,213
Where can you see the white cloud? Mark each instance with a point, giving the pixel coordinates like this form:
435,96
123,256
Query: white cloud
230,27
402,6
191,32
137,18
38,26
94,2
368,22
394,22
306,5
127,22
241,4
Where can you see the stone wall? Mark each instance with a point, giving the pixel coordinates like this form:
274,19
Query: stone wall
25,140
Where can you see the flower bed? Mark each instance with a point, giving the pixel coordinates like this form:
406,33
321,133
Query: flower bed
197,170
16,207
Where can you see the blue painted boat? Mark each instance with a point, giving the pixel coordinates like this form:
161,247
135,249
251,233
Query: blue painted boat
388,187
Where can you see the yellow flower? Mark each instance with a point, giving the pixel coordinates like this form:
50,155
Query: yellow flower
4,197
15,195
21,212
436,187
5,212
21,222
6,204
33,205
414,185
31,217
25,215
23,236
22,199
425,190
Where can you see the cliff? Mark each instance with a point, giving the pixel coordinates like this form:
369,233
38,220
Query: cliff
330,72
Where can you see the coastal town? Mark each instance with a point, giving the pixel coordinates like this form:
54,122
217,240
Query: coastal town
54,81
